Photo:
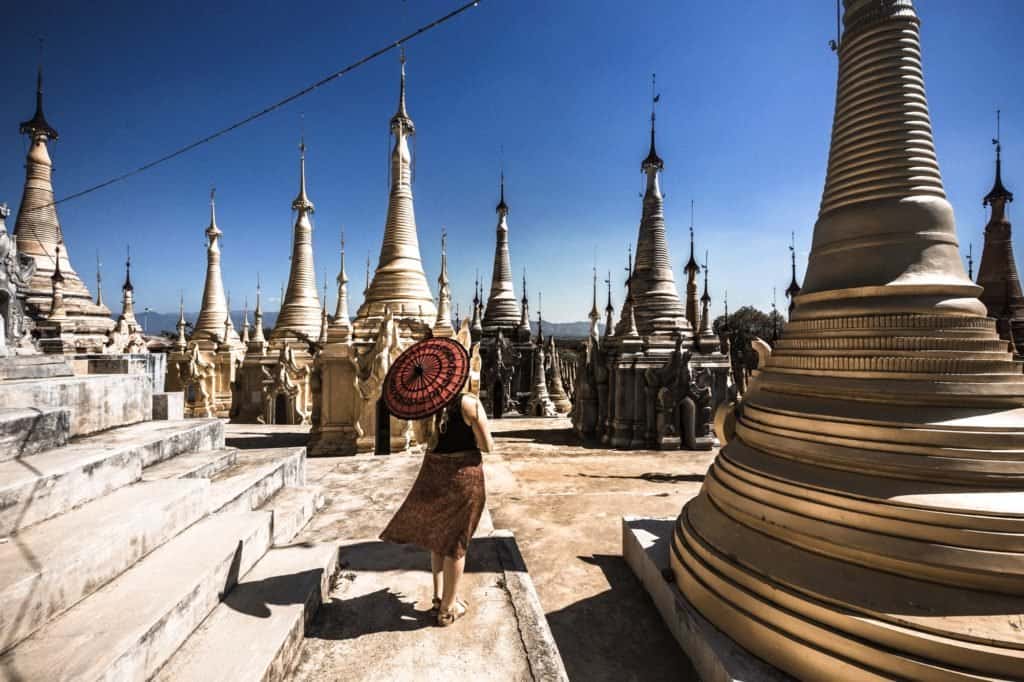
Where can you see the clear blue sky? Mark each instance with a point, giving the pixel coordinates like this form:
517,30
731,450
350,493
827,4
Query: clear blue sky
747,95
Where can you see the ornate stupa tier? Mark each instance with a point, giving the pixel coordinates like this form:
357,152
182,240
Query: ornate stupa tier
655,300
399,283
299,316
502,311
883,189
38,233
209,325
863,520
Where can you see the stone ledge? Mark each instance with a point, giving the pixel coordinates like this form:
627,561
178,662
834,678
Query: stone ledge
716,657
541,650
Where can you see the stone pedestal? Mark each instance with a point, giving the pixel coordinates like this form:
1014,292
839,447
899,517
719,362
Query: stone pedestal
337,430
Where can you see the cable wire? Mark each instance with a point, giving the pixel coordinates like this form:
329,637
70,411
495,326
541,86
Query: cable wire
266,110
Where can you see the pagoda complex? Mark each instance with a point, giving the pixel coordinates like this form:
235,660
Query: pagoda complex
84,324
507,350
206,368
997,272
397,310
654,379
274,382
864,520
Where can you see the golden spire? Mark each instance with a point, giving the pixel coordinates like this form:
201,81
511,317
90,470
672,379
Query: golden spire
443,323
181,342
258,342
209,326
399,281
341,321
300,308
862,520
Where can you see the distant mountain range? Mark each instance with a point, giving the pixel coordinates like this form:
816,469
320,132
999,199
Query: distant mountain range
156,323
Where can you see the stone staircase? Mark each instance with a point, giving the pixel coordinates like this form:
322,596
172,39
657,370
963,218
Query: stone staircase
133,549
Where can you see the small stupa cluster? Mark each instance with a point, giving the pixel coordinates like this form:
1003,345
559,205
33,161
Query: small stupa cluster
655,377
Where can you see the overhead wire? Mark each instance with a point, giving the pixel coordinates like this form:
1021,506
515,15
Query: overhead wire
268,109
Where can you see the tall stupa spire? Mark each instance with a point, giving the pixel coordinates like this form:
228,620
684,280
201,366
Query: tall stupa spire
609,310
399,281
997,272
502,307
341,320
692,269
128,295
209,325
257,341
300,309
862,520
443,323
595,315
38,231
793,290
654,299
181,342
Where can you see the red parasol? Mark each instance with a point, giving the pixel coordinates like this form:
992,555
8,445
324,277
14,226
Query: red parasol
425,378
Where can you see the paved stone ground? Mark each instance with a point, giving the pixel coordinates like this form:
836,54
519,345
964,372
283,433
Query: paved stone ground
563,501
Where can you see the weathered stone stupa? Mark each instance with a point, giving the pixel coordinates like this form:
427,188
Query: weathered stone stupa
207,368
864,520
506,344
997,272
274,386
398,309
38,233
649,382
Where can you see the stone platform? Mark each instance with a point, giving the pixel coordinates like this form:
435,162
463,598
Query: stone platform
646,543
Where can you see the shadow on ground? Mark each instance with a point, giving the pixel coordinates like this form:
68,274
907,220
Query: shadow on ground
270,439
380,611
597,636
654,477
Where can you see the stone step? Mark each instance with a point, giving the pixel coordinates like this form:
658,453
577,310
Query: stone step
128,629
97,403
53,565
34,367
42,486
293,507
206,464
257,632
25,431
255,478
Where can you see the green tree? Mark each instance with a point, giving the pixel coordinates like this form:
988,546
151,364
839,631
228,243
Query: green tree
746,324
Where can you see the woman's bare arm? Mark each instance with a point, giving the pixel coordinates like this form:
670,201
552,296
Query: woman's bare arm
476,416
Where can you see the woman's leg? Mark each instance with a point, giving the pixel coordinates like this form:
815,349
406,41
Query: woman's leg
453,569
436,568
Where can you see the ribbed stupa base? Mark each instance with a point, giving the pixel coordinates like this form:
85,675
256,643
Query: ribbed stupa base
866,521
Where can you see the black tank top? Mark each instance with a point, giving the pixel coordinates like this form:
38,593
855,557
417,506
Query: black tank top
457,435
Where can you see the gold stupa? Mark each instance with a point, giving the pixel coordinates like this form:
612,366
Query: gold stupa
866,519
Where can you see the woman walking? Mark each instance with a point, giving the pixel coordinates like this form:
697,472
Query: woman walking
443,508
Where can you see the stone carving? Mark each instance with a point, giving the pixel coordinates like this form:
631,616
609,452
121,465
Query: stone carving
196,376
682,402
16,272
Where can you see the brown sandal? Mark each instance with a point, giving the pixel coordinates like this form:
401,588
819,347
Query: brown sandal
446,618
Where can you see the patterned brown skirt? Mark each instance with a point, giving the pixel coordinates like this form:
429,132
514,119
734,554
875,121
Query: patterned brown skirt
443,508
